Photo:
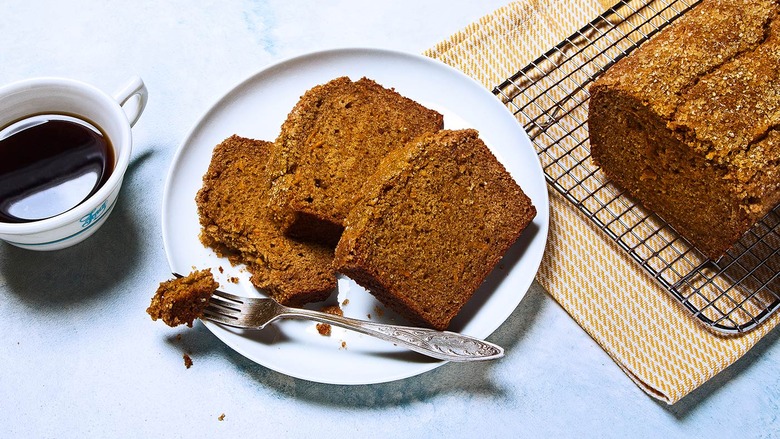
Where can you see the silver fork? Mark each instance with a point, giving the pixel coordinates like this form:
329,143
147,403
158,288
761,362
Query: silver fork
255,313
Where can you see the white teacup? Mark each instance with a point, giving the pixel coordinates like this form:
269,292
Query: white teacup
113,115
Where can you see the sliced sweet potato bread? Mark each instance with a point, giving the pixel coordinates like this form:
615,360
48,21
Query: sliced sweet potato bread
437,216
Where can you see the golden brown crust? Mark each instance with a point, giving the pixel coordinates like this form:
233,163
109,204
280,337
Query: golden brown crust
699,42
332,140
236,222
688,123
437,216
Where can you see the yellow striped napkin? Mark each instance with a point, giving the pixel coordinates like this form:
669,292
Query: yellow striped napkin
657,343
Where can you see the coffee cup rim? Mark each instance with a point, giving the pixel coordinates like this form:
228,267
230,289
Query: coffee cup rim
122,162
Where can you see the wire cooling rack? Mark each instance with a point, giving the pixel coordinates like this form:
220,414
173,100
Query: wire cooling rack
731,295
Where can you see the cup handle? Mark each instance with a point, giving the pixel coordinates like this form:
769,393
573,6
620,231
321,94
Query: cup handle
134,87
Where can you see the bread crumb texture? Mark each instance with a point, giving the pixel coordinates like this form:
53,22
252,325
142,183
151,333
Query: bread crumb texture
436,217
324,328
181,301
236,222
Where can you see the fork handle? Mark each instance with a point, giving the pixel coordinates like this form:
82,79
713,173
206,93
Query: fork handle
442,345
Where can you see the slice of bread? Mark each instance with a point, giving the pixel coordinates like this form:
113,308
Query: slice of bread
330,143
436,217
236,222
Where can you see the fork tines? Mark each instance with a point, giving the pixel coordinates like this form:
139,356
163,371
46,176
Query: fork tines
223,308
227,296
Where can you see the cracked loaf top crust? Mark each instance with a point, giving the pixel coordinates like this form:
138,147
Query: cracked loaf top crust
688,123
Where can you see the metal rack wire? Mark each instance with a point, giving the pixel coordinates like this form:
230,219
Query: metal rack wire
731,295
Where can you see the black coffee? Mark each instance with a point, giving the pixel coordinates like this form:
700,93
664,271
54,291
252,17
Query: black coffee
49,164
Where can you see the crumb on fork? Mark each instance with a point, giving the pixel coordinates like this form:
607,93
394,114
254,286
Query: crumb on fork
180,301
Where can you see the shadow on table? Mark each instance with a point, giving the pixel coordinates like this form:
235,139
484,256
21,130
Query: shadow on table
470,378
699,397
55,279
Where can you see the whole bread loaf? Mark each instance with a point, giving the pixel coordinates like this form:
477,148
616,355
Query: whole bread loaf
688,123
436,217
331,141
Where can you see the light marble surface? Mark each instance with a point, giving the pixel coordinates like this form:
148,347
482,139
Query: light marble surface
79,357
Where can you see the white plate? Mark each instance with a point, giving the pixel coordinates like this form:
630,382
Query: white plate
256,108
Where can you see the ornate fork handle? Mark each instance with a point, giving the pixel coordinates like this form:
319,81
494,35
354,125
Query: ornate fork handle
443,345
